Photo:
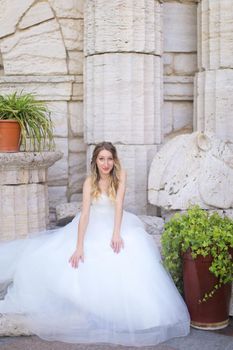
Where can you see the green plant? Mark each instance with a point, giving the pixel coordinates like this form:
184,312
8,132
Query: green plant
33,117
203,234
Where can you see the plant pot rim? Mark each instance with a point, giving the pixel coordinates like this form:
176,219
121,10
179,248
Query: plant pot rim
8,121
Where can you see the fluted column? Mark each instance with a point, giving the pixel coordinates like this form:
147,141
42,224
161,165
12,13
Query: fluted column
24,192
123,85
214,81
213,110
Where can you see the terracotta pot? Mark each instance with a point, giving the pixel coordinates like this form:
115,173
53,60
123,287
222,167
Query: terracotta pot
9,136
213,313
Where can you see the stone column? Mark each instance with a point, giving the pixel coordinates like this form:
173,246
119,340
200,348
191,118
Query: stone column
213,110
123,88
214,80
23,192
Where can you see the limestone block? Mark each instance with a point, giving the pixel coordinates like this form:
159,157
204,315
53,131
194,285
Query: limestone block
58,172
167,117
213,103
177,115
77,171
75,62
38,13
65,212
47,88
57,194
68,8
178,88
168,64
76,118
180,27
12,325
185,64
26,167
77,145
24,210
192,169
123,98
77,91
76,197
72,31
136,159
182,115
59,116
153,224
10,13
123,26
215,34
35,50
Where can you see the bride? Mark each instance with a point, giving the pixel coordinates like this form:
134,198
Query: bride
98,279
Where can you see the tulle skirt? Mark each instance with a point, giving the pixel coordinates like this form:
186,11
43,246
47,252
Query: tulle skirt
126,298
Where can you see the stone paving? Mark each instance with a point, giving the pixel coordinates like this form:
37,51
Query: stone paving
196,340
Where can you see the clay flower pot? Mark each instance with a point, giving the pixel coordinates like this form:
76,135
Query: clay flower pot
214,312
9,136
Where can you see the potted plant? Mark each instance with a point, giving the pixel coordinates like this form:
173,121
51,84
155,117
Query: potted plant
198,252
23,117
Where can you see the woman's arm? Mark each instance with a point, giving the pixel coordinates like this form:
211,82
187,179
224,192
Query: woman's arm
117,242
82,226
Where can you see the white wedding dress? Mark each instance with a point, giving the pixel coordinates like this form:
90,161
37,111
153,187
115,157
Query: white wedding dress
126,298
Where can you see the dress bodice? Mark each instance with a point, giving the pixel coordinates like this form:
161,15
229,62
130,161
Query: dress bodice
103,202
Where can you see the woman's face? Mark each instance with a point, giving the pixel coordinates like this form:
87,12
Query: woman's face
104,162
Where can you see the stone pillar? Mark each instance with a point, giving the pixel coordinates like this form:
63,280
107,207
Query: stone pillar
123,85
213,110
23,192
214,81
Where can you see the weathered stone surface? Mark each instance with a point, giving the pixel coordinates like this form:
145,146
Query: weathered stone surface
153,224
8,17
35,50
184,64
65,212
215,44
26,167
178,88
177,115
75,62
46,88
123,26
57,194
58,173
24,208
72,31
136,159
13,325
77,171
192,169
180,27
68,8
213,103
38,13
76,118
59,116
123,93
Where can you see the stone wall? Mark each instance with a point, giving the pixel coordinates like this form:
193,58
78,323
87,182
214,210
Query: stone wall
41,50
41,45
180,65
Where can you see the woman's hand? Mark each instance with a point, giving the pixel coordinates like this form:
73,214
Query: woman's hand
117,243
76,257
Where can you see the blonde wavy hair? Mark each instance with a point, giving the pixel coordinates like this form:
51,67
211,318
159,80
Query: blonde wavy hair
114,174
